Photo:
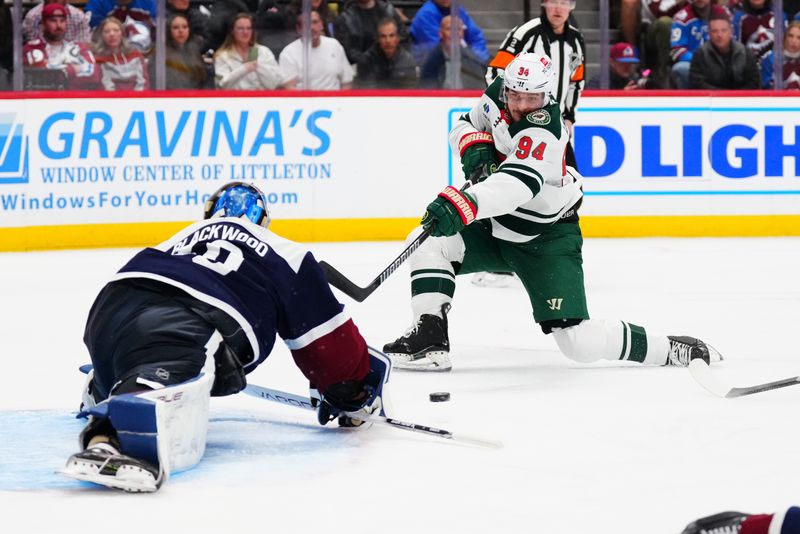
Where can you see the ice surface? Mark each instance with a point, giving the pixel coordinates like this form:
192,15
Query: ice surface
606,447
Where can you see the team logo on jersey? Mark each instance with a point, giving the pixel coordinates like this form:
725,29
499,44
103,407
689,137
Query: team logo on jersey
13,151
486,108
540,117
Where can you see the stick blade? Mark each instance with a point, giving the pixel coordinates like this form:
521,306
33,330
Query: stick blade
343,284
701,372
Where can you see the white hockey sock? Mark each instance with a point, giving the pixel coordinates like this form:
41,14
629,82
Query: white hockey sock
600,339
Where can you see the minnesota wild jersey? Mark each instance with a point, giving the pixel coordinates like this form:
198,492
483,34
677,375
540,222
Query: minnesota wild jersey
533,187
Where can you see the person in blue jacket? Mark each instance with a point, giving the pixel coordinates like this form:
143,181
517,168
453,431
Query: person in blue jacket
425,30
140,10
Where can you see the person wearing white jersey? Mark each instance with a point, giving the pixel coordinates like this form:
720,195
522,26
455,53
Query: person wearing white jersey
521,218
328,69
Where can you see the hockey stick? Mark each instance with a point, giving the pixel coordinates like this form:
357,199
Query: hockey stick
346,286
701,372
305,403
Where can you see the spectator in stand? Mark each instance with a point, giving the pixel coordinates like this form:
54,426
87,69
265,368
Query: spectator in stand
185,68
242,63
197,21
77,22
654,37
357,26
328,12
122,66
138,10
785,521
425,31
689,32
221,18
74,61
274,25
791,61
435,69
624,70
387,65
722,62
6,47
328,66
754,26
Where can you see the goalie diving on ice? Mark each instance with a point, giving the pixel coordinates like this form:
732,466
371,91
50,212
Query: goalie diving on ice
188,319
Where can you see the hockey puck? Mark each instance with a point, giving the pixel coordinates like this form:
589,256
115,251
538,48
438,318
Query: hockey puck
439,396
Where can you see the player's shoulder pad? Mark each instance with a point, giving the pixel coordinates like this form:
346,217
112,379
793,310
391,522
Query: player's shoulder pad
493,91
548,118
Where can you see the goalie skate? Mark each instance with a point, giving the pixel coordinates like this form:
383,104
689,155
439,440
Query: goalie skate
424,347
102,464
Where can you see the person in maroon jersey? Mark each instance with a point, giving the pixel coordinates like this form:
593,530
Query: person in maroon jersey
123,68
74,61
754,26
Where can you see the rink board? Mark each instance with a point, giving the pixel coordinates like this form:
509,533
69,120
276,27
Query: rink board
86,170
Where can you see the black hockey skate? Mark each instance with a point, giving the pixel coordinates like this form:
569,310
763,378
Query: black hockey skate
684,349
103,464
424,347
721,523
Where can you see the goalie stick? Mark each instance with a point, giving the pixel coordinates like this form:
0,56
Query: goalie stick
701,372
346,286
305,403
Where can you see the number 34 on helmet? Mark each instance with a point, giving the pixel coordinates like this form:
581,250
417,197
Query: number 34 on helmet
530,73
238,199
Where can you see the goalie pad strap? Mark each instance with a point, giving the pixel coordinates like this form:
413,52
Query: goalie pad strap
473,138
465,206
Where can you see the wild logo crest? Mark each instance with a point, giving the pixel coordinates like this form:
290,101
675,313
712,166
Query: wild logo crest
13,151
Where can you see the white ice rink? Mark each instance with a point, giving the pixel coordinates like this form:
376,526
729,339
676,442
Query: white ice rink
609,448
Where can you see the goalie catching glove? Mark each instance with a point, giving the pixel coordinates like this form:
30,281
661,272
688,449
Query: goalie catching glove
354,396
449,213
478,156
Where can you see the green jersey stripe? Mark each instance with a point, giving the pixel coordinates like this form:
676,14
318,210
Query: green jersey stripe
433,285
526,179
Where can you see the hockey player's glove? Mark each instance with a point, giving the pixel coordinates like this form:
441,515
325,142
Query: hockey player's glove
354,396
478,156
450,212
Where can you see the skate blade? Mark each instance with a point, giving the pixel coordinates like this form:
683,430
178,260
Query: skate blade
128,485
432,362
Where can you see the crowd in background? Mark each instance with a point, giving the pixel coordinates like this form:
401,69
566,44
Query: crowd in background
704,44
239,44
256,44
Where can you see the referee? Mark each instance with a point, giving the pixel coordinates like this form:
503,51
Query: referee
553,36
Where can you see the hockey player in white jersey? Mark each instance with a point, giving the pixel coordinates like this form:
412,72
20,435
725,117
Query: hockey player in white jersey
517,214
189,319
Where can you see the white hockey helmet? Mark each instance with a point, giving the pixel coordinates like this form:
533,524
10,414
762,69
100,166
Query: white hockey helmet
530,73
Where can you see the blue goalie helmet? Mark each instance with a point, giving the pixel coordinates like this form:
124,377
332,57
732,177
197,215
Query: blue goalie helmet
238,199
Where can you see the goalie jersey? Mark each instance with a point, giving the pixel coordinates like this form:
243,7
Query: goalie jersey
533,187
251,284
